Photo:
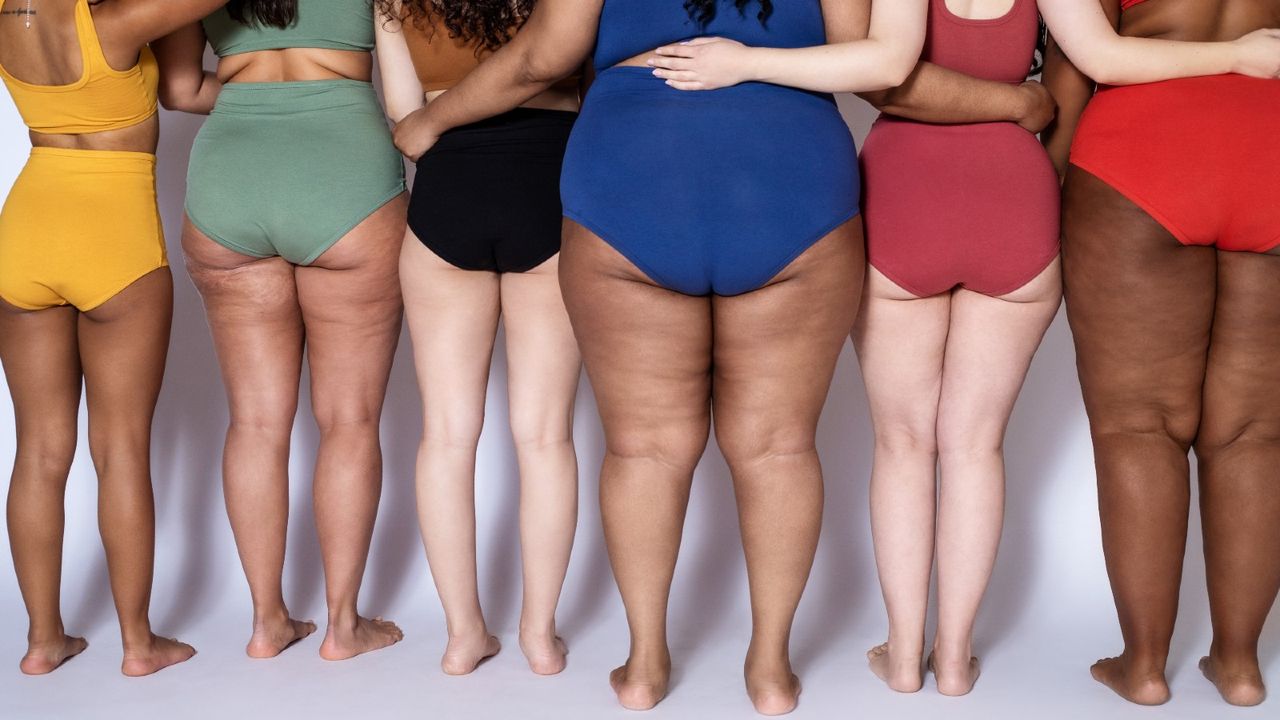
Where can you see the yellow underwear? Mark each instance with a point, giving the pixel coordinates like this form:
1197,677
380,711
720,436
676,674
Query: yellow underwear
79,226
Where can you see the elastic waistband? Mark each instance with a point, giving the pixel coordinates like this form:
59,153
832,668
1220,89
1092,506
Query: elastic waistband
76,154
522,117
310,95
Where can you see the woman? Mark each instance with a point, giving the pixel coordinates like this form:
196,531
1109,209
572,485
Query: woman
958,298
295,211
483,243
712,260
1173,293
86,296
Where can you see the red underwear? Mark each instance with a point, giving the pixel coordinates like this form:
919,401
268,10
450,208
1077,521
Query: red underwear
1201,156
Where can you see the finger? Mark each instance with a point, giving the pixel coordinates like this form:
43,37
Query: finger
677,50
688,86
702,40
671,63
677,75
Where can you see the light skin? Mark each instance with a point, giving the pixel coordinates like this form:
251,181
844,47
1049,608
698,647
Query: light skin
453,317
116,350
1172,357
343,312
660,362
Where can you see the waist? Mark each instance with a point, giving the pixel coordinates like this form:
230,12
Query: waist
295,65
641,82
562,96
289,98
141,137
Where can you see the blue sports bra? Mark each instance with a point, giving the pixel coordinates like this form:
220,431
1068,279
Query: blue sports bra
631,27
324,24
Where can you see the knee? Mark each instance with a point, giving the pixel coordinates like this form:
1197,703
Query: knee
533,432
46,453
1178,423
676,445
907,439
119,448
266,424
746,441
1217,437
968,441
459,430
356,422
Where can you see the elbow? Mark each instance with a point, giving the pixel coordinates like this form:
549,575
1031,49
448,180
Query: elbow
541,69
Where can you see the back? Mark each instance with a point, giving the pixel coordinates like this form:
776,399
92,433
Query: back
631,27
1000,49
1198,20
321,24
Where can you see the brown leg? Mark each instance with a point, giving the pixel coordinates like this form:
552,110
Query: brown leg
123,347
647,351
1239,451
42,366
775,353
1141,308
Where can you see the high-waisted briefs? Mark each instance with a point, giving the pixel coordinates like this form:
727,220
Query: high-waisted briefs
289,168
708,192
78,227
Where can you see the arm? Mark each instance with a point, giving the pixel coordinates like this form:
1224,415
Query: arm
1087,35
554,43
1073,90
401,91
882,58
139,22
184,83
935,94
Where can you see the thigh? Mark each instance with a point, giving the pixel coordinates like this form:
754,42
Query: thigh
647,351
123,346
41,356
1141,308
543,362
901,340
453,317
1242,386
253,313
352,309
776,348
989,350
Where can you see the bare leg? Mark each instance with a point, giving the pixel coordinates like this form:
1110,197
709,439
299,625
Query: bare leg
351,308
1141,308
252,306
543,369
123,346
453,316
1239,451
775,353
989,349
648,353
42,366
901,340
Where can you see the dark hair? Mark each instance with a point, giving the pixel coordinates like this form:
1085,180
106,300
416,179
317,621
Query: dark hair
489,23
273,13
704,11
1042,48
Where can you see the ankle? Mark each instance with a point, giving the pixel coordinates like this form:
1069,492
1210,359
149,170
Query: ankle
952,651
46,634
270,616
468,629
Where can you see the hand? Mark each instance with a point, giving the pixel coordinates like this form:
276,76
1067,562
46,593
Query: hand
1258,54
707,63
1039,107
413,135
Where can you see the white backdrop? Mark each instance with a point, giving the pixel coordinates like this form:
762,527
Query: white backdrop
1048,616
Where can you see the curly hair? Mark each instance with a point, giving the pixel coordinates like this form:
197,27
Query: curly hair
273,13
488,23
704,11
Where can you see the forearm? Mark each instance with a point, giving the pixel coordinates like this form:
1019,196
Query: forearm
935,94
1073,90
502,83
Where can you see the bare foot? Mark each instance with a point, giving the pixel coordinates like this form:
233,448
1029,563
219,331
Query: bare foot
901,675
955,678
156,656
367,636
773,693
1148,688
640,688
546,655
464,654
272,638
44,658
1240,686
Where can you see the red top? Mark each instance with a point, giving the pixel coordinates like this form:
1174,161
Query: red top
1126,4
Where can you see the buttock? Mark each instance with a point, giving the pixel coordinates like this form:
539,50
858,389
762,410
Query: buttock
1199,155
946,206
78,227
487,196
288,169
708,192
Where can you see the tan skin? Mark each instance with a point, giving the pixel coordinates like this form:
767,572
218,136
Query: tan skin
1173,355
661,363
343,313
117,350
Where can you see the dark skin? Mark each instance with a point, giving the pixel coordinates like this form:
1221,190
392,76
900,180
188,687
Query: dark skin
1173,356
117,350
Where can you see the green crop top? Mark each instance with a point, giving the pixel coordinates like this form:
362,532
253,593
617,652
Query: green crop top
325,24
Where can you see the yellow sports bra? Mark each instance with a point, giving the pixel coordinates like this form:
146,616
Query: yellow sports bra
102,99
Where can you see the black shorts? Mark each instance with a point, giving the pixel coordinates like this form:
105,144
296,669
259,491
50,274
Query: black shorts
487,195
